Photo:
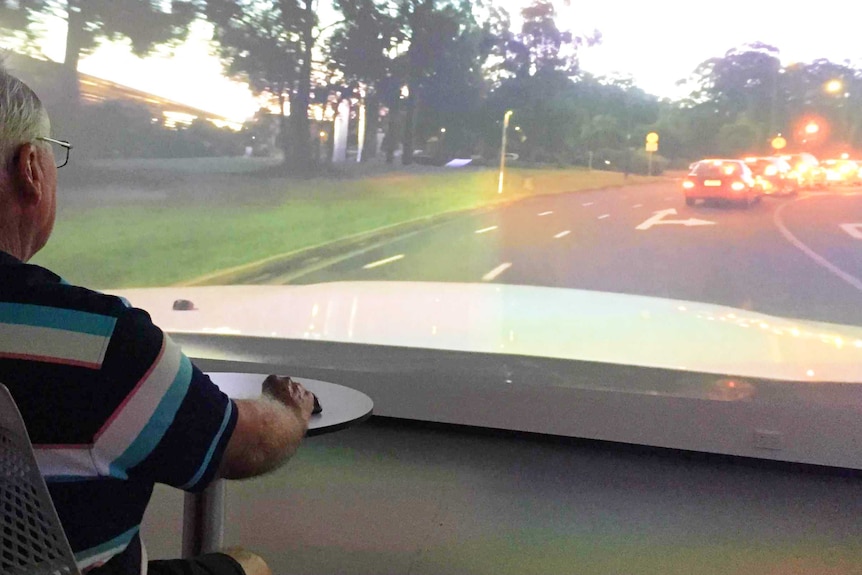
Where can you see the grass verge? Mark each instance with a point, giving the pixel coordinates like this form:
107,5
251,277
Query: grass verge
145,245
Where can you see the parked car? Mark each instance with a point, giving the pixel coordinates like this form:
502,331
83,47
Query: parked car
721,179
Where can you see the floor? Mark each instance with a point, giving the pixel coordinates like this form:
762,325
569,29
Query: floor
392,497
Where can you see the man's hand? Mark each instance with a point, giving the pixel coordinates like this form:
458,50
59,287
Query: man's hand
268,430
291,394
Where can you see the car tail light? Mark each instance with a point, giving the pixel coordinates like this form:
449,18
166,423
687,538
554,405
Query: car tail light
737,186
688,184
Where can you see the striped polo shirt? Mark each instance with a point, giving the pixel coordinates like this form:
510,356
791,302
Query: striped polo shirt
112,406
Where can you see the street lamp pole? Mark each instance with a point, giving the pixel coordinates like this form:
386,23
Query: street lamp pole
503,150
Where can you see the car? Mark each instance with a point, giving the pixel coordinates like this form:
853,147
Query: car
774,176
720,179
841,172
807,169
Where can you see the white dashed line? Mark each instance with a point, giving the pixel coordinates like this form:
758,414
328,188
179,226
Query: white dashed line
379,263
604,216
588,204
483,230
546,213
637,206
563,234
496,272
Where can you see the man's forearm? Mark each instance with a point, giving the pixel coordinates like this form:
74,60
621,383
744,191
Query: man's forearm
269,434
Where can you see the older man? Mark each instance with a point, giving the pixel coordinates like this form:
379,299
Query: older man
111,403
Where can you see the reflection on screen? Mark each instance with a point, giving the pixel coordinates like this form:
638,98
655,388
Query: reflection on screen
535,143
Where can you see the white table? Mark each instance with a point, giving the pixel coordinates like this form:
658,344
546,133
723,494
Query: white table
203,514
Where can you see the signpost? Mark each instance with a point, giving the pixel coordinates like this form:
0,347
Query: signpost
651,147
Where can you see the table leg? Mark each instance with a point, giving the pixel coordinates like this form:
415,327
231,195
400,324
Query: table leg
203,520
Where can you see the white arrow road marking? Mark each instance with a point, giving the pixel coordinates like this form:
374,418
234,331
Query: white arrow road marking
657,219
855,230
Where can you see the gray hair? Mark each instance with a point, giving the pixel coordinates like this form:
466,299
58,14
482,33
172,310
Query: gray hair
22,116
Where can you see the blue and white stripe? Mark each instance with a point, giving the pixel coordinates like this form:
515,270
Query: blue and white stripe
54,335
139,424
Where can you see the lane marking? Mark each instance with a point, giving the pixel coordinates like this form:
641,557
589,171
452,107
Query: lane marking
563,234
588,204
547,213
379,263
855,230
496,272
483,230
604,216
658,219
820,260
637,206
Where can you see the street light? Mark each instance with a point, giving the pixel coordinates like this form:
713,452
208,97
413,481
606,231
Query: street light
834,86
503,150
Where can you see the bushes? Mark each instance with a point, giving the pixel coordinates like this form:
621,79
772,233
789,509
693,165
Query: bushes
631,161
120,129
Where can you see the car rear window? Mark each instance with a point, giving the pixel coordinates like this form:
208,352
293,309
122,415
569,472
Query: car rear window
758,165
713,170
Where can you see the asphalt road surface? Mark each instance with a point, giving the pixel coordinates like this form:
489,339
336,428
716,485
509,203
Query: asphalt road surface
795,257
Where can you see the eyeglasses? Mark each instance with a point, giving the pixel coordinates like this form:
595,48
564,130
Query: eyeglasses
61,150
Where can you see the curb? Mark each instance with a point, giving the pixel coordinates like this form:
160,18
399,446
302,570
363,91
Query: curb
297,258
246,272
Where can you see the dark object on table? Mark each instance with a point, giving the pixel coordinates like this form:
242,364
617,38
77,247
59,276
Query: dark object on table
317,409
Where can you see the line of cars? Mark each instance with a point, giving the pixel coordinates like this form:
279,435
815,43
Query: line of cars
744,181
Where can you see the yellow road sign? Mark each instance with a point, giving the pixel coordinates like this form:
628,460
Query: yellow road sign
652,138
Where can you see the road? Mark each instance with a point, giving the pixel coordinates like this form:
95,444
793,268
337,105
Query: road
796,257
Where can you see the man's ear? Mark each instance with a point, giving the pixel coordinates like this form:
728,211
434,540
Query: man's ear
29,175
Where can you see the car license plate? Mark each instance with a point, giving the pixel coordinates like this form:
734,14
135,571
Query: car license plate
712,183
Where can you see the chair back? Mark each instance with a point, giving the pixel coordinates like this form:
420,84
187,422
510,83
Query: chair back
32,541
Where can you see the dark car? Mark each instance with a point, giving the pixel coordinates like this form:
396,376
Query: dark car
719,179
774,176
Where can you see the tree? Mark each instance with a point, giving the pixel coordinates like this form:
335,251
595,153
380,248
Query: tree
736,139
361,50
146,23
432,32
746,80
271,42
260,41
541,46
